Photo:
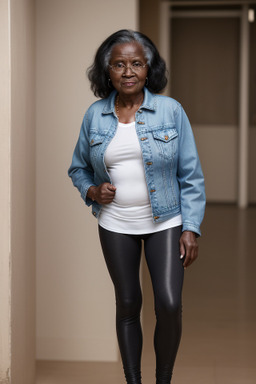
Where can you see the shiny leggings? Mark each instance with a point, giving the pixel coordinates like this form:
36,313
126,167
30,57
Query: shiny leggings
122,255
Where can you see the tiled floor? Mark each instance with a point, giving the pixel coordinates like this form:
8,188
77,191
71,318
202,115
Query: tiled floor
219,313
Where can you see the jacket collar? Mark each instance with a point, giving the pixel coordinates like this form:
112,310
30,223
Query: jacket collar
149,102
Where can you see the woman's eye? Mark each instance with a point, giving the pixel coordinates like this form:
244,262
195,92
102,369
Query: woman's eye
137,65
119,65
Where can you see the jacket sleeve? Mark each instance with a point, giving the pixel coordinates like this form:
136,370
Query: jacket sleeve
81,171
189,175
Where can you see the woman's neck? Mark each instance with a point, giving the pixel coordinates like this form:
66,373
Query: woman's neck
126,107
130,101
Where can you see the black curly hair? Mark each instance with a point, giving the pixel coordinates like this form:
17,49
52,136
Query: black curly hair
98,72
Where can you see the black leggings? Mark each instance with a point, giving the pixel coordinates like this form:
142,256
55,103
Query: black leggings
122,254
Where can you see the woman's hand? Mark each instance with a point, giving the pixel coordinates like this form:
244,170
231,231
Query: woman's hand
188,247
103,193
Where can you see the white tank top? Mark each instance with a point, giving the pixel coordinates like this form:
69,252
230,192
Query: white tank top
130,212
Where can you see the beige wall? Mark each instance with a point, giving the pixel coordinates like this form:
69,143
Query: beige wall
5,129
75,297
17,208
22,18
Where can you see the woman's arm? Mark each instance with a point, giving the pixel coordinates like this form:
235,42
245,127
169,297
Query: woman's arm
189,176
192,190
81,171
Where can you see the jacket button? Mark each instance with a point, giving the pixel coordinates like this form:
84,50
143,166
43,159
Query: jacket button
94,213
166,137
149,163
156,217
139,111
141,122
152,190
92,141
143,138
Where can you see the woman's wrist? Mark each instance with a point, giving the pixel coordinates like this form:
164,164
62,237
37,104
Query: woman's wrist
91,193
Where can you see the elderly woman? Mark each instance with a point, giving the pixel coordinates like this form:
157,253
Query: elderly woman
136,163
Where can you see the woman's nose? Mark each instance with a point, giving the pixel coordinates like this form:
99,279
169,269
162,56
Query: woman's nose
128,71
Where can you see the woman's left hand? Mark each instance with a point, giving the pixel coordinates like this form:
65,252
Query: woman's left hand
188,248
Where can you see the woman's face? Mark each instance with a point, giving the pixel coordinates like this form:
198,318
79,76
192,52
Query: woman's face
129,81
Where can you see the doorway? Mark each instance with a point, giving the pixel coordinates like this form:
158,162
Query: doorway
209,51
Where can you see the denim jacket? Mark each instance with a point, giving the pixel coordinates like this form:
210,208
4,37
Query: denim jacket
173,172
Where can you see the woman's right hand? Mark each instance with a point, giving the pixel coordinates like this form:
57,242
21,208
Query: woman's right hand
103,193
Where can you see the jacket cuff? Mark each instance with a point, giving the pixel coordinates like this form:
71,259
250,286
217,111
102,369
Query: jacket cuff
84,191
187,226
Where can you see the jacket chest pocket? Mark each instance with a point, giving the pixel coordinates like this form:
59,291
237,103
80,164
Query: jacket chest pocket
166,141
96,141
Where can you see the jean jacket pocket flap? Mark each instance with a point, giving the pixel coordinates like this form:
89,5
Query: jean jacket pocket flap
96,139
165,135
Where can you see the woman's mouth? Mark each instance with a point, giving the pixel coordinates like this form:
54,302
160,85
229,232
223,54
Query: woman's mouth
128,84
